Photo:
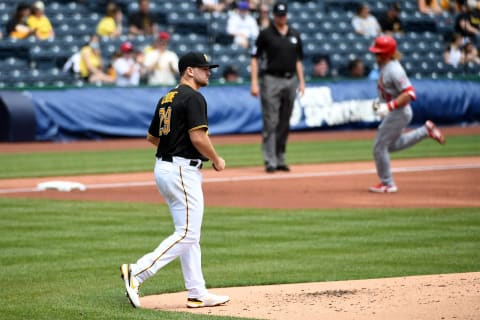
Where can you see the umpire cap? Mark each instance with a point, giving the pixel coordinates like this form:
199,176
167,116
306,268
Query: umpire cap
194,59
280,9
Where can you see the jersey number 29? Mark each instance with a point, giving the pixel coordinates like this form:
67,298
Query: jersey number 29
164,115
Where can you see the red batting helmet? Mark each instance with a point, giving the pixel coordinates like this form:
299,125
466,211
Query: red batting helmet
384,45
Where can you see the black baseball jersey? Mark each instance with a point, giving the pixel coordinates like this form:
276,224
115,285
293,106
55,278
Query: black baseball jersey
281,51
181,110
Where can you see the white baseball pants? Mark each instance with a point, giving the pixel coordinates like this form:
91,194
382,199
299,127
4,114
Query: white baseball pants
181,186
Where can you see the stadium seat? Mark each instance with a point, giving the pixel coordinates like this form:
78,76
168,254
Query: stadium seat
369,59
337,60
14,63
295,8
325,27
318,16
326,48
473,69
359,48
340,5
189,25
421,47
302,17
310,48
419,23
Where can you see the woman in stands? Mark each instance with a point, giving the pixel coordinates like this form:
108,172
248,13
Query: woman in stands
16,27
39,22
470,53
111,24
91,64
452,54
433,6
364,23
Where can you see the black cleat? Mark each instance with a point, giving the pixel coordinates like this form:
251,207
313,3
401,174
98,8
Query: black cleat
283,167
270,169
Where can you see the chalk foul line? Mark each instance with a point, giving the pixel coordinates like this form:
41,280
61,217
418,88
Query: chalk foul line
265,177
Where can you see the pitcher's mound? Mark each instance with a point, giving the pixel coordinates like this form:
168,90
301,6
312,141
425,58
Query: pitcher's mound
446,296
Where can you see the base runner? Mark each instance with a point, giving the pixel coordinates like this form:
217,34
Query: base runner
394,95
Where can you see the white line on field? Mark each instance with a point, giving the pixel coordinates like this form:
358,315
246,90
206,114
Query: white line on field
265,177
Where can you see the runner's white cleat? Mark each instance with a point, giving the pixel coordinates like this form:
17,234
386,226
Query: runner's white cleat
209,300
131,285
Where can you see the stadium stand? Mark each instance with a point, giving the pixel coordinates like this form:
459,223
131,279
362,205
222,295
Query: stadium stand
324,24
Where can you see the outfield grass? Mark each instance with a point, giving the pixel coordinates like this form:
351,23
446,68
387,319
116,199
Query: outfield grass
60,259
113,161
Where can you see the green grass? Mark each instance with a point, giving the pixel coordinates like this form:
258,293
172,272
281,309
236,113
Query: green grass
60,259
94,162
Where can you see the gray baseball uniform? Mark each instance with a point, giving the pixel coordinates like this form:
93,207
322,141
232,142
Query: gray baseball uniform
390,137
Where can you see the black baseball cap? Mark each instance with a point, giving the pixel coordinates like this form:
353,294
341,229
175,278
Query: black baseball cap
280,9
194,59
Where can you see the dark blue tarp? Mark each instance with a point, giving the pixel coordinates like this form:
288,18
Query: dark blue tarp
126,112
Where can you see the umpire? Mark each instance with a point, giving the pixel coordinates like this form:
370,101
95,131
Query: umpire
279,49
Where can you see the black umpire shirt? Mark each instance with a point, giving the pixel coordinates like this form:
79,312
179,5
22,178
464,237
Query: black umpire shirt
177,113
281,51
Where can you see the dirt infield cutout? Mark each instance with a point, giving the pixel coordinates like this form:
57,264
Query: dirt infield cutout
447,296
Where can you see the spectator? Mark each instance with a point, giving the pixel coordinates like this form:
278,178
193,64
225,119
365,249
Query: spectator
263,19
390,22
127,67
230,75
356,68
457,5
242,25
39,22
449,5
453,52
16,27
473,4
111,24
364,23
470,53
214,5
143,22
91,64
467,23
446,5
257,3
321,66
429,7
160,63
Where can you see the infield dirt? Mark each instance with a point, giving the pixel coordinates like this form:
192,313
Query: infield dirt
435,297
